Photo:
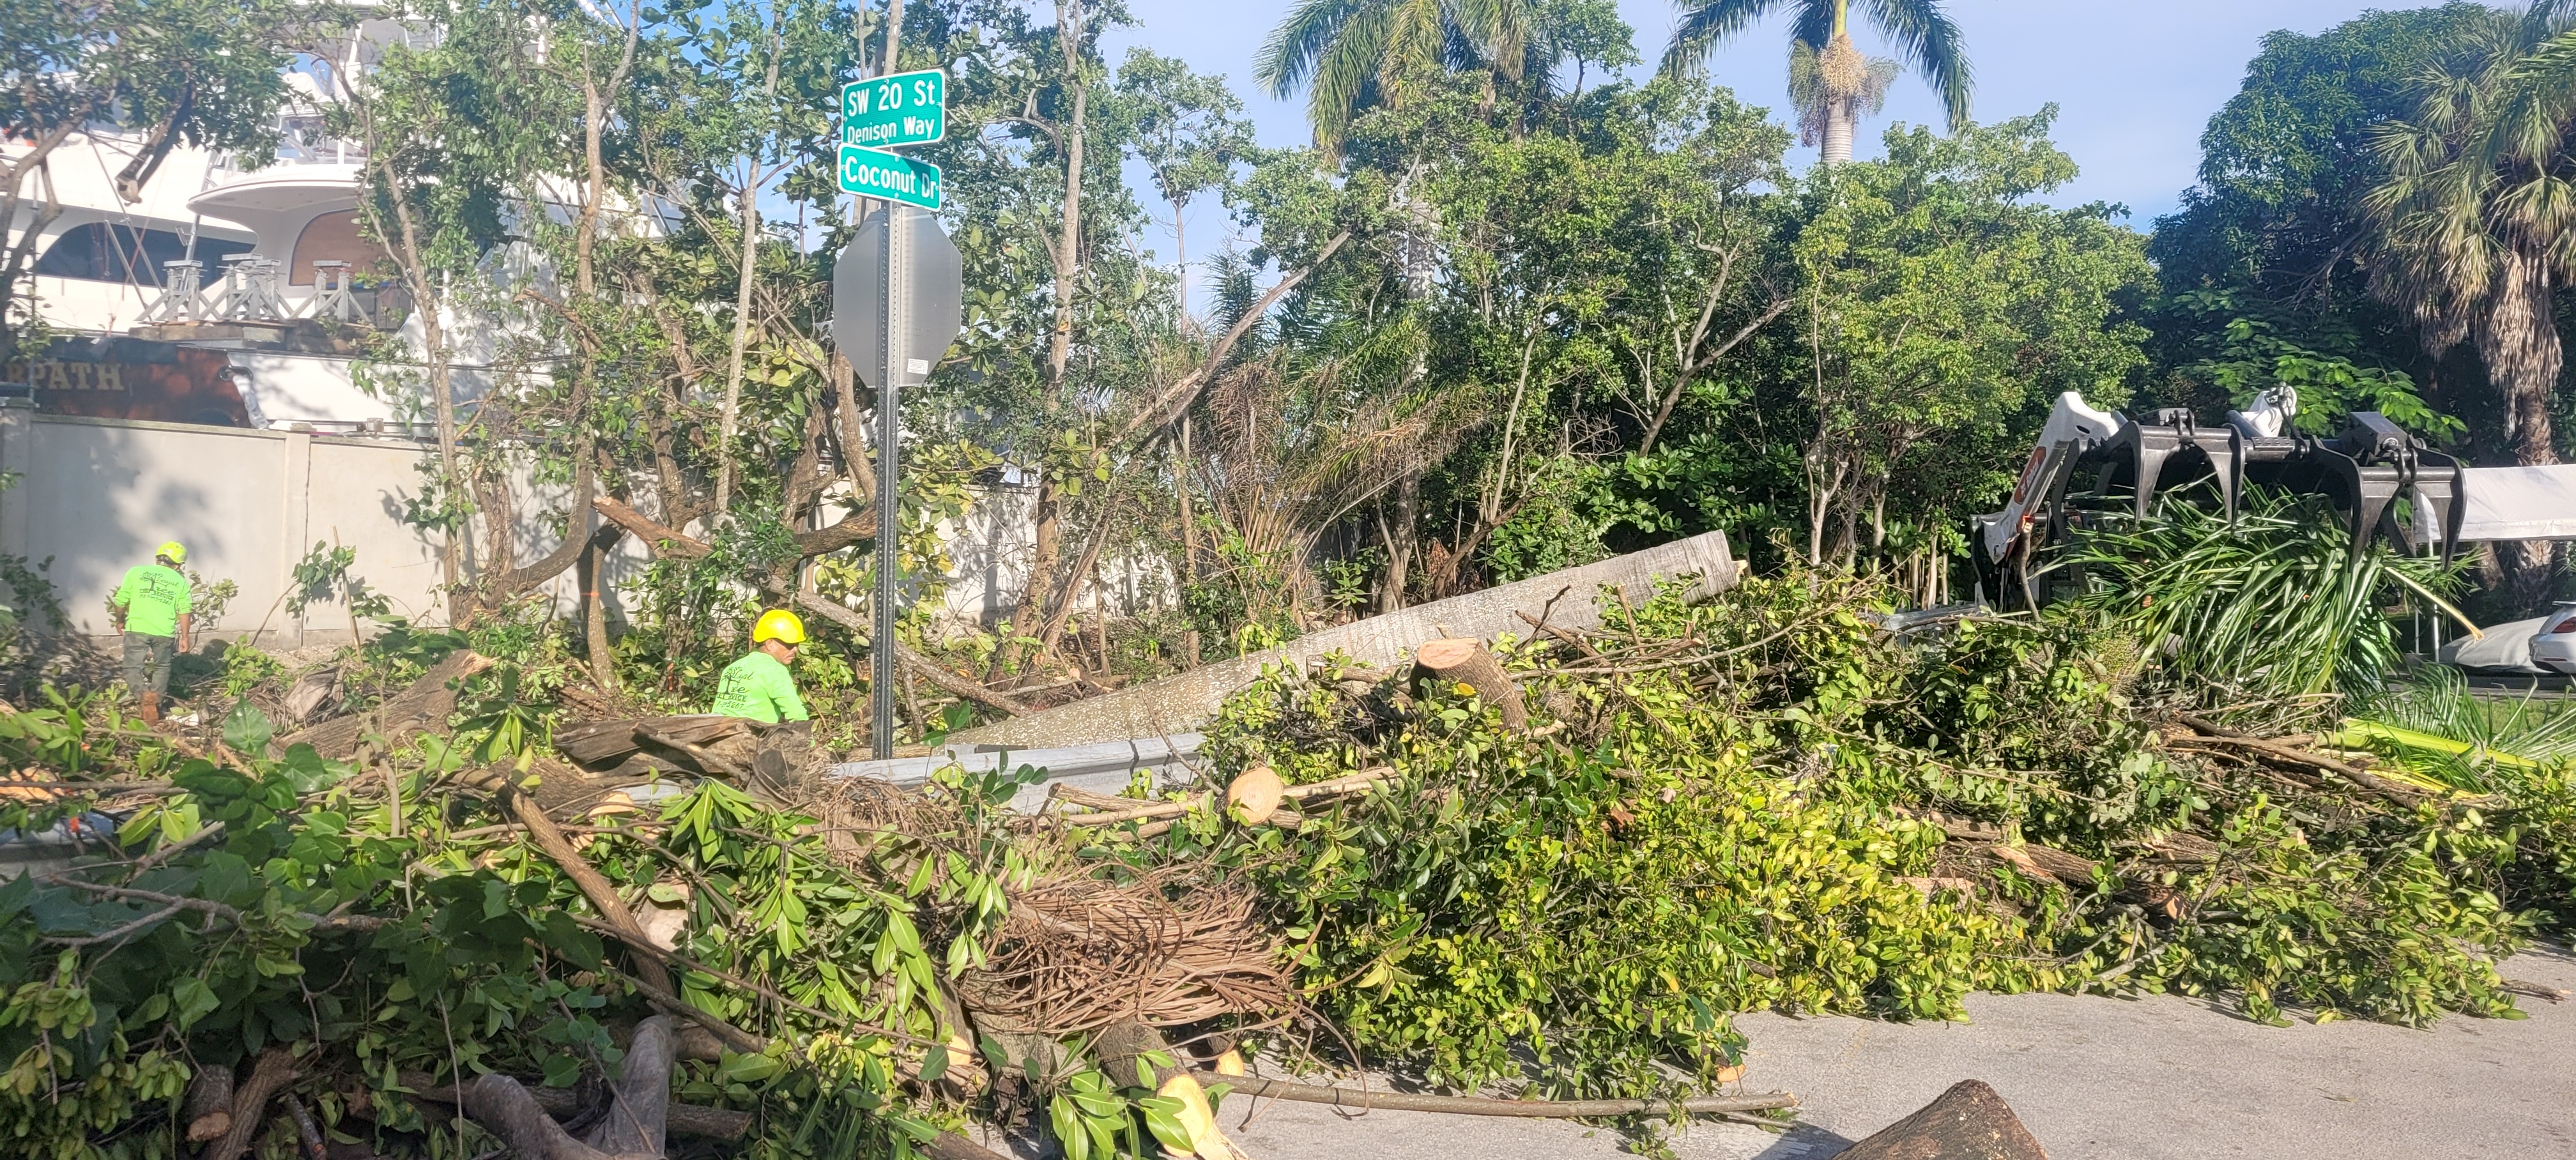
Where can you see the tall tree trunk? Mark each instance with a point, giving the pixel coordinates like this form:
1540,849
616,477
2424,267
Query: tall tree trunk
1399,541
742,290
19,253
1066,254
1181,463
1841,117
594,616
2518,340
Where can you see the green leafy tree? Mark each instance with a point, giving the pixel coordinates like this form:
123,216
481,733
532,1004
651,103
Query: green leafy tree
2265,243
1831,81
1946,312
1189,131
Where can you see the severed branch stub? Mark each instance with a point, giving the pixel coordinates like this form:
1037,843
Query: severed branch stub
209,1108
1466,661
632,1129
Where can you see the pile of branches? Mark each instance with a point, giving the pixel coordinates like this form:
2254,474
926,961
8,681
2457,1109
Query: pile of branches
1574,869
409,952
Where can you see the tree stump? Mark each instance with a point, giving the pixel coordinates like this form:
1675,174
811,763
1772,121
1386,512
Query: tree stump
1466,661
1968,1122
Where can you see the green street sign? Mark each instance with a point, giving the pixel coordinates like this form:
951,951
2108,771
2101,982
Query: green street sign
876,173
903,109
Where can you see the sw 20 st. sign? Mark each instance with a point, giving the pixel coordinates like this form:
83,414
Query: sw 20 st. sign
903,109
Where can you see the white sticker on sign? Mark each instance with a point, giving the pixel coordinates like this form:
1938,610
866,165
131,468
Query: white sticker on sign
916,366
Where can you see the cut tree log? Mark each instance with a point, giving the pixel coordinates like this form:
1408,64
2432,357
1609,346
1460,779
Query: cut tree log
1466,661
1968,1122
424,706
1254,795
275,1069
564,1103
634,1127
601,744
209,1108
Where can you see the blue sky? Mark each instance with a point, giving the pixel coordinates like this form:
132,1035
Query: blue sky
2134,83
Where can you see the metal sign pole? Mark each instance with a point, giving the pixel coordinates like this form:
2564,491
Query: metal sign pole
890,294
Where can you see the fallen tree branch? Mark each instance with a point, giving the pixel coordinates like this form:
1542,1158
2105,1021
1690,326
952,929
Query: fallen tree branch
665,541
603,897
2354,774
937,674
1182,393
1476,1106
686,1119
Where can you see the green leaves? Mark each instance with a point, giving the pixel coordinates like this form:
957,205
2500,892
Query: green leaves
247,729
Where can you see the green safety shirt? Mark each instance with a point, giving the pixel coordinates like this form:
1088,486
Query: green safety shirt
760,688
154,598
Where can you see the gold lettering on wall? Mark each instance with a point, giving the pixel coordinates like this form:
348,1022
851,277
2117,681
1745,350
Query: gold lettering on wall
54,375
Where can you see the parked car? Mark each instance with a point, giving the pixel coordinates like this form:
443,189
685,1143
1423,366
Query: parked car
2554,646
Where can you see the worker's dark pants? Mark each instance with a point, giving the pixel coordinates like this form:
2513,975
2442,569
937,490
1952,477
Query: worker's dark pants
142,649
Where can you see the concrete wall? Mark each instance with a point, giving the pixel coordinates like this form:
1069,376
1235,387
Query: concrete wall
96,495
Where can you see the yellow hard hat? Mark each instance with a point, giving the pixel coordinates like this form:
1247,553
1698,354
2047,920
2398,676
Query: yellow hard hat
778,624
176,551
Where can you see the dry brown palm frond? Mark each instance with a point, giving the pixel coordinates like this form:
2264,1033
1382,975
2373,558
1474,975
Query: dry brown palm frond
1289,456
1078,954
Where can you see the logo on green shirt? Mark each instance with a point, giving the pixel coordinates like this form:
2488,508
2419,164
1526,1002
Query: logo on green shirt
759,688
153,597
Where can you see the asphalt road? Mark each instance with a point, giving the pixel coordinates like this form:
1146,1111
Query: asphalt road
2153,1078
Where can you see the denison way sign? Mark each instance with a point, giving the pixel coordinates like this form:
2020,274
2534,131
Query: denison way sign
876,173
903,109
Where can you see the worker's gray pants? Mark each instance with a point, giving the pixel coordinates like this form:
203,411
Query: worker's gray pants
143,648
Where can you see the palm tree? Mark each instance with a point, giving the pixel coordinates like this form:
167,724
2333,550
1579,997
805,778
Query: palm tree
1829,80
2475,228
1352,53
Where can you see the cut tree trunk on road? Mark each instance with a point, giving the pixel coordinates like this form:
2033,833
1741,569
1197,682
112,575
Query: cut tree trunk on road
424,706
1968,1122
1464,660
1566,600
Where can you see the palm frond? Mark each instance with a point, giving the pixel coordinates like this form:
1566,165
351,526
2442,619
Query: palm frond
1294,49
1705,23
1929,42
2273,604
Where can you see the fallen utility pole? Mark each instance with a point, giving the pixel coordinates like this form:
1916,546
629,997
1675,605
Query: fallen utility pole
1565,600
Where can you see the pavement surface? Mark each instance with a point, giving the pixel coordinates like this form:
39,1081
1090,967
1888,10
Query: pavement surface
2094,1078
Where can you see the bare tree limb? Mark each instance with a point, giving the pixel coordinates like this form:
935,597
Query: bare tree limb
1178,397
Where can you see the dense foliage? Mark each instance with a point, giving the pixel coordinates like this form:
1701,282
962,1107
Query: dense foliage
1772,802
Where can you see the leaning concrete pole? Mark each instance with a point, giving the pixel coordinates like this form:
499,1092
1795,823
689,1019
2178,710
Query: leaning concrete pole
1179,704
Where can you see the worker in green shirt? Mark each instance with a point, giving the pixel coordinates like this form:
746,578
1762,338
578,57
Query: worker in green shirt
759,686
152,610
